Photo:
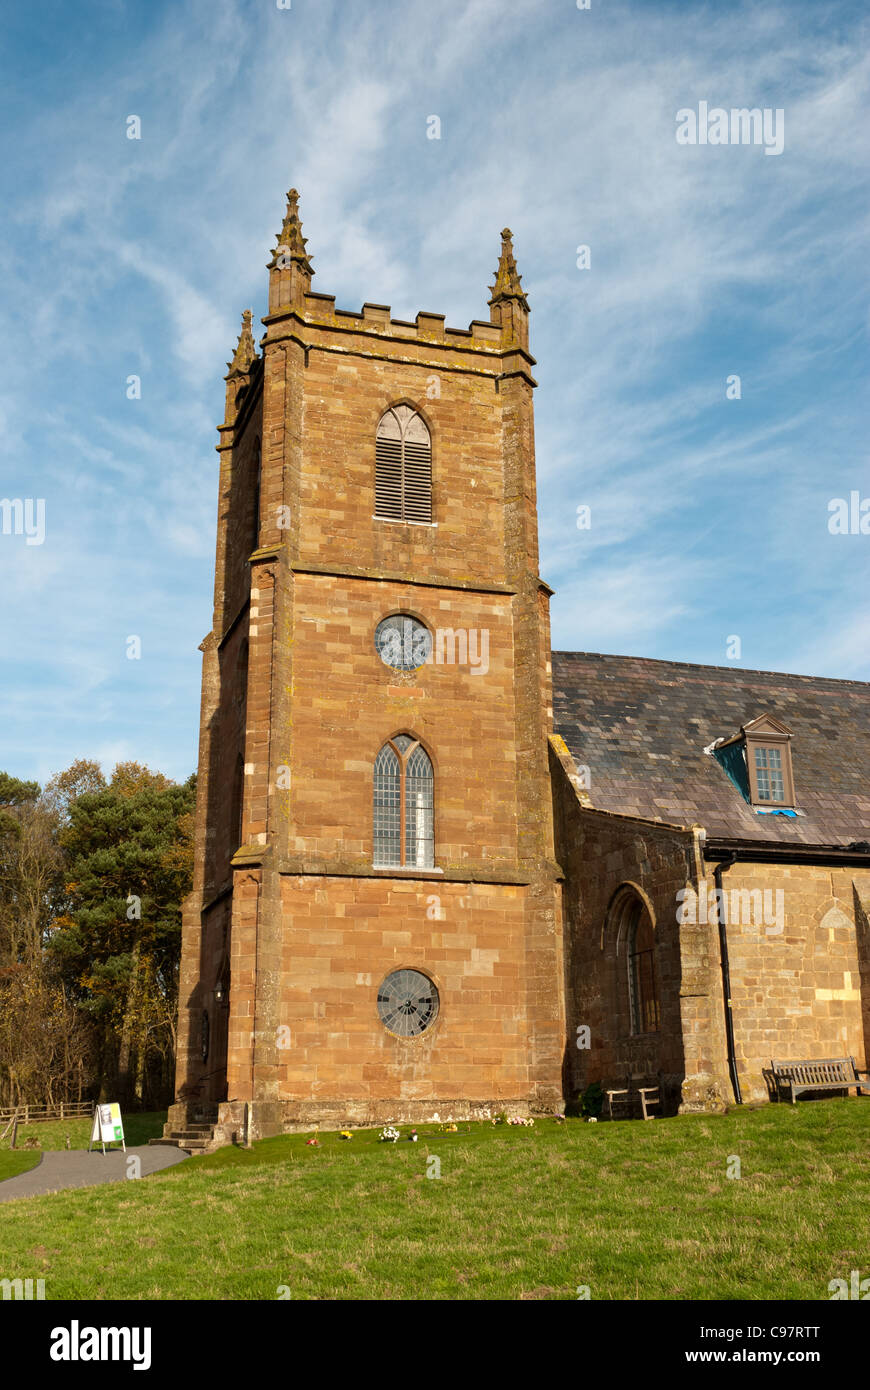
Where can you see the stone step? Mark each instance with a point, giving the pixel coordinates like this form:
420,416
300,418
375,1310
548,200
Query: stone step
201,1145
192,1132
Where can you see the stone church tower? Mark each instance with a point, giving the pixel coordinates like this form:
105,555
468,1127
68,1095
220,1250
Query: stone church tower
374,931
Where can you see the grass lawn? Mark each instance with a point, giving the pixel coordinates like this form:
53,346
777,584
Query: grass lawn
633,1210
52,1134
11,1164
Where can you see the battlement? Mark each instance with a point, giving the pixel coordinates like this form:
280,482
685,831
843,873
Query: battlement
320,310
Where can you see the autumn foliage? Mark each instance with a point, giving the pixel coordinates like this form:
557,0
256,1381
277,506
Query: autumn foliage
92,877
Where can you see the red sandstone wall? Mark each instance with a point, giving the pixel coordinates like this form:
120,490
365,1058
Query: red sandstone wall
346,703
343,404
342,936
598,853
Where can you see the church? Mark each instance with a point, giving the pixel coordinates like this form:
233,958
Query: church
441,869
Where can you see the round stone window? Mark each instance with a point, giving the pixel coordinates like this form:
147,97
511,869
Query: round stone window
407,1003
402,642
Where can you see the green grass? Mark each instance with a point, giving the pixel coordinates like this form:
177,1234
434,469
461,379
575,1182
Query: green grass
52,1134
11,1164
633,1210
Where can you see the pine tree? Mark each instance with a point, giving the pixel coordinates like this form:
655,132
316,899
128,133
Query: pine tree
129,851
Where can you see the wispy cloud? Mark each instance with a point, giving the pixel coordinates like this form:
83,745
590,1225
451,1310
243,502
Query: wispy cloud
709,515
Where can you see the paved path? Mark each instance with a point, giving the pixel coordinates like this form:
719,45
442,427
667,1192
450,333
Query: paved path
78,1168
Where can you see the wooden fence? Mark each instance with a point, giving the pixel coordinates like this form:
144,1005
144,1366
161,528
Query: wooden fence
35,1114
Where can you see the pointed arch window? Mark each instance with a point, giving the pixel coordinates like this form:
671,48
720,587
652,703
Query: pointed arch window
241,682
403,467
404,806
642,978
237,806
255,510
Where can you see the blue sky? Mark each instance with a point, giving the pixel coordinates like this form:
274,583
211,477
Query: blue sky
119,257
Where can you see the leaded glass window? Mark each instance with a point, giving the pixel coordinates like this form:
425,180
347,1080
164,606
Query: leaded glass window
402,642
388,833
255,510
404,806
407,1003
768,774
419,809
642,984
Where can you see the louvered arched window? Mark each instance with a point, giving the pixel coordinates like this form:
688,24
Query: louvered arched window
404,806
403,467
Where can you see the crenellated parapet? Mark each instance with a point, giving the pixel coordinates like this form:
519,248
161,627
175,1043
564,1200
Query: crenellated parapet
377,318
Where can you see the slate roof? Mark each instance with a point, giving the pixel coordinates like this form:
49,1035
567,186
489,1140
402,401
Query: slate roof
641,727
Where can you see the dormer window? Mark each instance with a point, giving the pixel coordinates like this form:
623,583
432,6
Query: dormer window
758,761
768,759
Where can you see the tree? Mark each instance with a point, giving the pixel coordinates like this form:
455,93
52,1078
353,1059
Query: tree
46,1043
129,779
129,850
30,869
61,790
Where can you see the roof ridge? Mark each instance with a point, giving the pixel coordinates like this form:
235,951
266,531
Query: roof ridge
703,666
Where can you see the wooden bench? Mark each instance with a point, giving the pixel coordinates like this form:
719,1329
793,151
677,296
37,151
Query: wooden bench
648,1094
828,1074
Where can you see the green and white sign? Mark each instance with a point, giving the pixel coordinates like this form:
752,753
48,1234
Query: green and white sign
108,1126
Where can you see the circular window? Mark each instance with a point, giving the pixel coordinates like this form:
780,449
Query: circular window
402,642
407,1003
